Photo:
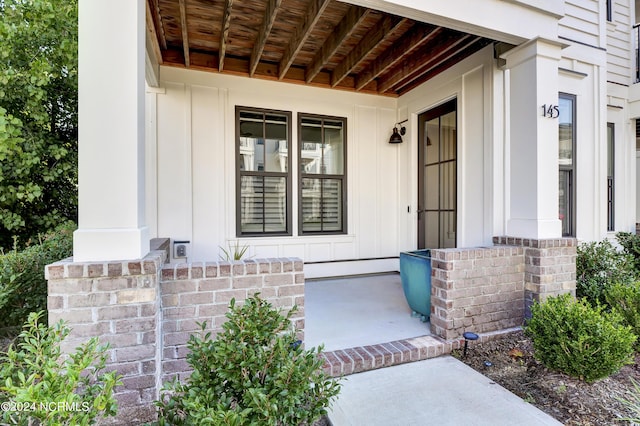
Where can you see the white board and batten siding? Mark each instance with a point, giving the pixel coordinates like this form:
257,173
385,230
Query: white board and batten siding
195,149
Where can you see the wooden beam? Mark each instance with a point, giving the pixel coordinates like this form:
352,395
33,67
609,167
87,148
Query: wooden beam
412,40
267,23
354,16
153,13
152,35
300,35
370,41
419,63
469,49
224,34
265,71
185,32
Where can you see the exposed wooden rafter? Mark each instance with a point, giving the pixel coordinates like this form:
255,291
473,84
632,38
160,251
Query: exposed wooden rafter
465,49
224,35
411,41
343,30
265,29
185,32
152,38
369,42
153,13
421,63
301,34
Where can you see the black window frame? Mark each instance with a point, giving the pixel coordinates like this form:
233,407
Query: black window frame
262,173
571,170
302,175
611,180
609,10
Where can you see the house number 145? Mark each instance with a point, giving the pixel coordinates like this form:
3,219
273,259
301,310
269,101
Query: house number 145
550,111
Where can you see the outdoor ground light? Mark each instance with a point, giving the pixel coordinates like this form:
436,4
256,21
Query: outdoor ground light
396,136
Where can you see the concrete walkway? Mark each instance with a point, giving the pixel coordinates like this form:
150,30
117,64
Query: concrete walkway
438,391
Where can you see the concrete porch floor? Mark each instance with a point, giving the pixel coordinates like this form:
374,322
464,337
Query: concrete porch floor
358,311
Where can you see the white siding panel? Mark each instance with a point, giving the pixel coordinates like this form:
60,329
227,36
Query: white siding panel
208,171
174,174
387,189
581,22
366,180
619,48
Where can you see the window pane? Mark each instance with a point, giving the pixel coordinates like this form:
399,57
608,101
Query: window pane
565,213
251,204
322,146
263,142
333,148
566,132
321,205
263,204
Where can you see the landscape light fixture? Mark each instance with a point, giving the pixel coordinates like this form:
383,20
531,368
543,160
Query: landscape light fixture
396,135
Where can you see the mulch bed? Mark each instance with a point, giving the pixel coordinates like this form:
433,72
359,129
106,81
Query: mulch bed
509,362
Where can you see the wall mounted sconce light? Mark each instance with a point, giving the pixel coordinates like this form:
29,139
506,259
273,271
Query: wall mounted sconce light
396,135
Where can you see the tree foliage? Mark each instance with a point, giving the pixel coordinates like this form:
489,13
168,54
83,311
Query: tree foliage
38,116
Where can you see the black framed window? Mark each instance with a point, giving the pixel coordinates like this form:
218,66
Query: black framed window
567,163
263,178
610,176
322,149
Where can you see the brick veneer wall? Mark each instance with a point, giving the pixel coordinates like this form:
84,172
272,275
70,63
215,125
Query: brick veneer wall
476,289
202,291
550,267
146,311
119,303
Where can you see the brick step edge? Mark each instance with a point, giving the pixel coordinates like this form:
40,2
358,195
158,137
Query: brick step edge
343,362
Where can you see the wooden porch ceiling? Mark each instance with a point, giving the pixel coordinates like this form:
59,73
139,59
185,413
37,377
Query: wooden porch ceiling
316,42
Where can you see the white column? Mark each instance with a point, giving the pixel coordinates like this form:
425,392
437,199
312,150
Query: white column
533,140
111,86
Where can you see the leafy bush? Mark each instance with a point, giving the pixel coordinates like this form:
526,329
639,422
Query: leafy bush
23,288
631,245
625,300
573,337
255,372
39,388
598,266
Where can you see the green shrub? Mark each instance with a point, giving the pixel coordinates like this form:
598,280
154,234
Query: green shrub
23,288
253,373
573,337
631,245
40,387
625,300
598,266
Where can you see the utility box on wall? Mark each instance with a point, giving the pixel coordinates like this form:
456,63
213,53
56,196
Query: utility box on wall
181,249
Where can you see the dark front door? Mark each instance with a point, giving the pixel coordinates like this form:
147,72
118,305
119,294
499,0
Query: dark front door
437,176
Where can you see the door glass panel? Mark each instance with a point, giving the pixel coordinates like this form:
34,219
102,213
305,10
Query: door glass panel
432,137
431,181
448,135
431,229
438,178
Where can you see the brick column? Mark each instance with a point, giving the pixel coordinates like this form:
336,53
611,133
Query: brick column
550,267
118,302
476,289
